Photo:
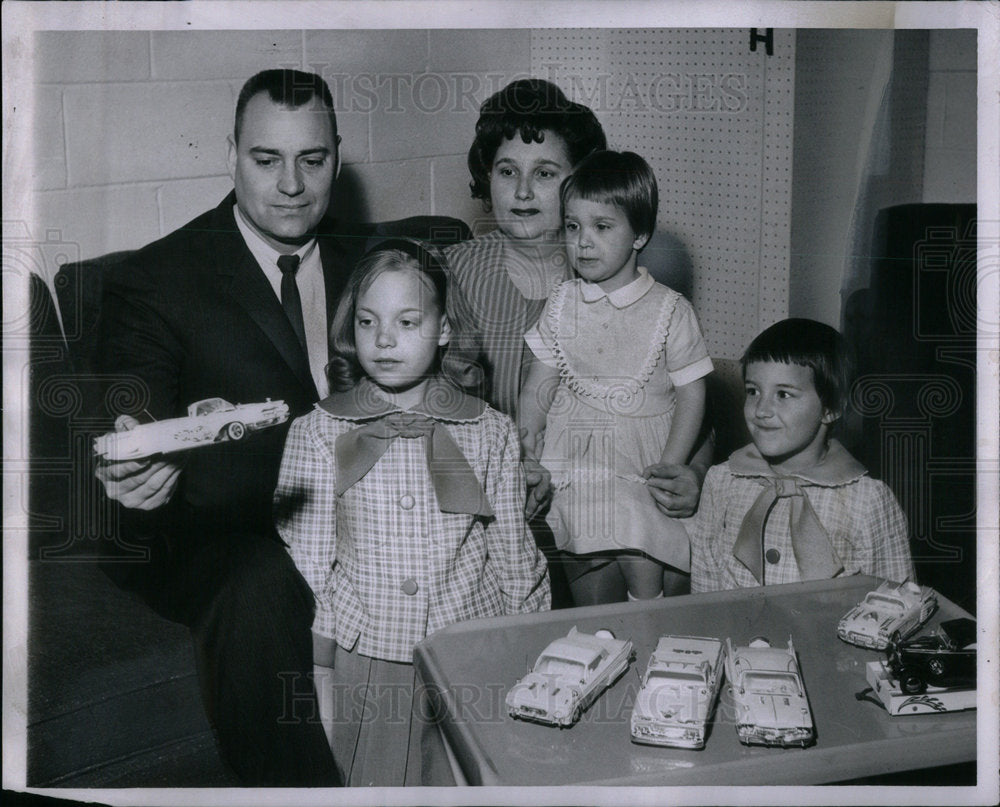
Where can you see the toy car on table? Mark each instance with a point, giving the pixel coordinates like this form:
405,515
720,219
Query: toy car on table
568,676
209,421
943,659
678,692
771,704
887,610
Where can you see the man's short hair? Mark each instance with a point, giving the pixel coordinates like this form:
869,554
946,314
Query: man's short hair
288,88
619,178
812,344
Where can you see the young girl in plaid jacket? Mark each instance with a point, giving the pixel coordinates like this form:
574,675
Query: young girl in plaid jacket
401,498
794,505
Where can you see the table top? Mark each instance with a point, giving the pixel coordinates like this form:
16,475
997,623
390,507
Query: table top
470,667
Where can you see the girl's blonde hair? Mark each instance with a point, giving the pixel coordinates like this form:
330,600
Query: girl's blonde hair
459,360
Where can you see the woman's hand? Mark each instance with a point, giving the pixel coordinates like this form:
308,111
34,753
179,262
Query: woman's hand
539,482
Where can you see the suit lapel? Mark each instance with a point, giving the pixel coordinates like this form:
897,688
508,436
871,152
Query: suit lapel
242,279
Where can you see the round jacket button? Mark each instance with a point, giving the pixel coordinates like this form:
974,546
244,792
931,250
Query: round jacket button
772,556
407,502
409,586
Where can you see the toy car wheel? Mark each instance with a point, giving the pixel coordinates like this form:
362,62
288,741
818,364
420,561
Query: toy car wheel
936,666
911,683
235,430
577,713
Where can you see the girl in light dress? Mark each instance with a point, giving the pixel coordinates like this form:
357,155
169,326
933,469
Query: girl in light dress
616,387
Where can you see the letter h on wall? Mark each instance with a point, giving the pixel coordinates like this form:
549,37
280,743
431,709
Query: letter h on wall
767,39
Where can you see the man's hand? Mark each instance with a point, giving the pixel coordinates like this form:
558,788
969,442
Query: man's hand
675,488
539,482
138,484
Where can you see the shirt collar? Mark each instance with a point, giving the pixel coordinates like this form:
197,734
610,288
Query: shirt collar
265,254
837,468
619,298
443,400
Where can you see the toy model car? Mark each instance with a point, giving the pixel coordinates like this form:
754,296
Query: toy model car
208,421
678,692
568,676
944,659
770,700
887,610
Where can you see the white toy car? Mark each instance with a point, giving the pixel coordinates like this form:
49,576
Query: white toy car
887,610
678,692
770,700
568,676
208,421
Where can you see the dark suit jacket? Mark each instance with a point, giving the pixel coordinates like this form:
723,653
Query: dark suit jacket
192,316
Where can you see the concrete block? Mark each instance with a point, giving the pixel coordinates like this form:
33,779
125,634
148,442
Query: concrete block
354,143
451,196
91,56
99,220
128,133
422,118
384,191
479,51
48,146
223,54
183,199
346,59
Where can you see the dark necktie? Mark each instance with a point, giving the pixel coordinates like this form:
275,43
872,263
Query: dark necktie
290,300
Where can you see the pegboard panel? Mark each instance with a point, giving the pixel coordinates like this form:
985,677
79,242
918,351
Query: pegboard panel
715,122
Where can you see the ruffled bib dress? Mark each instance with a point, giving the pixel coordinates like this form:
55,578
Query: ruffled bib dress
620,357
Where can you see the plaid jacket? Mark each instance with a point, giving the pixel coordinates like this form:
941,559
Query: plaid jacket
386,565
867,528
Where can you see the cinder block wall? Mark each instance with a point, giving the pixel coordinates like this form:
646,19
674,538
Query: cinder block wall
130,127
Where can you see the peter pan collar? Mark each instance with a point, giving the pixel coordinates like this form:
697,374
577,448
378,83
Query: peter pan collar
837,468
619,298
443,400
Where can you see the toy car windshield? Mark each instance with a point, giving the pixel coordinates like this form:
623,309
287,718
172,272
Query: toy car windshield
210,405
961,632
772,684
558,666
888,602
672,676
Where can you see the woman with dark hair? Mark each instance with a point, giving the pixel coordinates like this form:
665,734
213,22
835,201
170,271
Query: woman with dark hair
528,139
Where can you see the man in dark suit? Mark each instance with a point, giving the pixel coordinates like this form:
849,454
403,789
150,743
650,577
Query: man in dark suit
216,309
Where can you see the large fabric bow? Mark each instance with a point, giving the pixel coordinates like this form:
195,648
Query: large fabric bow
814,554
455,483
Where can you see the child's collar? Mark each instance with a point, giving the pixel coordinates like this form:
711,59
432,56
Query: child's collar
443,400
837,468
619,298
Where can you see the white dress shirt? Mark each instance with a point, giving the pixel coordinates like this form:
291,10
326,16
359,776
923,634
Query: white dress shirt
312,291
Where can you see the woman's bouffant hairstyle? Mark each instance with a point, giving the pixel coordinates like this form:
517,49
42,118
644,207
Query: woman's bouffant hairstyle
619,178
810,344
529,108
458,361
